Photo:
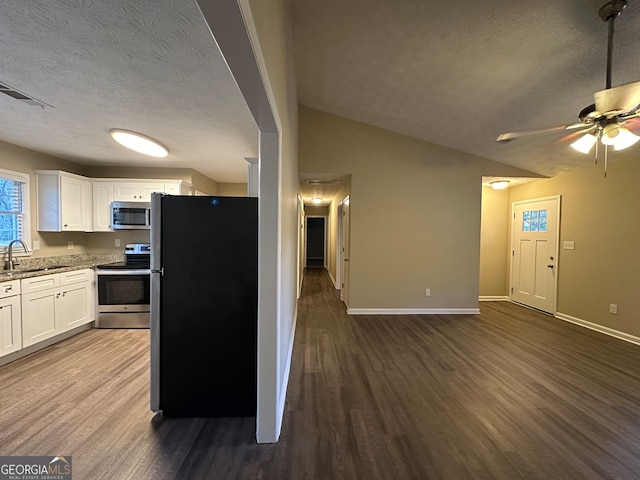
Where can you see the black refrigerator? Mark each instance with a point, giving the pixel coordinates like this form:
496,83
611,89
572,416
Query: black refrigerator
204,300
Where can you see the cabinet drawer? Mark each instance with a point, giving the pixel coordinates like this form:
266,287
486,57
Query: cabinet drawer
8,289
36,284
76,276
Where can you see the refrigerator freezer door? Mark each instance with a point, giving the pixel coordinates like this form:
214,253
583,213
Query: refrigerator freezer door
209,291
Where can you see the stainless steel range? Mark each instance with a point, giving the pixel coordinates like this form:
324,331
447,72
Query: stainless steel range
123,290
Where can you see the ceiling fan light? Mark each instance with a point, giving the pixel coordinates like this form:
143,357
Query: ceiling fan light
585,143
139,143
610,134
625,139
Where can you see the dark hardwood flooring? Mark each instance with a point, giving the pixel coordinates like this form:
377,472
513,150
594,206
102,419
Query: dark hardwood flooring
508,394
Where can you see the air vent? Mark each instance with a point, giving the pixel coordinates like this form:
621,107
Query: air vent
323,182
13,93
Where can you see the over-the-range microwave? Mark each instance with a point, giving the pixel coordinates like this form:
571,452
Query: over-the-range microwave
130,215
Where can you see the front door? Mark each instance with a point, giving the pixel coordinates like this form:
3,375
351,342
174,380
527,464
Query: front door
535,252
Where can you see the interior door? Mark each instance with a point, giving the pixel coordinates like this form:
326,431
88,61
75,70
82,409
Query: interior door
534,252
344,251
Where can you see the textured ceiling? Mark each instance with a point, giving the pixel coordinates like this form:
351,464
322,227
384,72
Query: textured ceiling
452,73
459,73
150,66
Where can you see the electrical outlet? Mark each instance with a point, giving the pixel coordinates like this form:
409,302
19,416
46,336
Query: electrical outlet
613,309
70,245
427,292
35,245
117,242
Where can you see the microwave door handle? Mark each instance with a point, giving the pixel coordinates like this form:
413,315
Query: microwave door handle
148,213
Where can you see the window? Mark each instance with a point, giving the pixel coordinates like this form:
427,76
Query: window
534,221
14,209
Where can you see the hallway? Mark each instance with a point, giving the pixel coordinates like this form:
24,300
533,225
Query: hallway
508,394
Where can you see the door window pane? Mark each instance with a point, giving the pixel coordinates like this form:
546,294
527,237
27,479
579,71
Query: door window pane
534,221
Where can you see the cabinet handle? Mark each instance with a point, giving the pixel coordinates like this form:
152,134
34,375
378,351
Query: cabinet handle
8,289
1,307
57,295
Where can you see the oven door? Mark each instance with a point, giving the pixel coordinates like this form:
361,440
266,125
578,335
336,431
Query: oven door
123,298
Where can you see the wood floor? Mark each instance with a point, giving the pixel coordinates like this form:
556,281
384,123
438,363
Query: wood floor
508,394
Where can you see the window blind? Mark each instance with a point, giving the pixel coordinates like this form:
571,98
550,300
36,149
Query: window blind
11,212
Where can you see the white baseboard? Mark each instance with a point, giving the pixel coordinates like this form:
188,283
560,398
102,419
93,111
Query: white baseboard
489,298
413,311
333,280
599,328
285,378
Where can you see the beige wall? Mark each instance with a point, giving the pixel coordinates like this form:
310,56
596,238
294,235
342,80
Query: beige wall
316,210
415,212
494,243
333,229
599,214
232,189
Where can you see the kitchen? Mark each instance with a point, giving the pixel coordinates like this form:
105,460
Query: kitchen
90,80
87,249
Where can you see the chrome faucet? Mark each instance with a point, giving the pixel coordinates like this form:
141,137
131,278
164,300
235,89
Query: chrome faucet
8,265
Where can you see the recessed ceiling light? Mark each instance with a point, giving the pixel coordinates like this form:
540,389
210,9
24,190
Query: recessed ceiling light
139,143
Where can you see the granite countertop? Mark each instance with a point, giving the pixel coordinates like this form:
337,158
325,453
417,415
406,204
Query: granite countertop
35,267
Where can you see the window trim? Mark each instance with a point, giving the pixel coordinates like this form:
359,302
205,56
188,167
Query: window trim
25,179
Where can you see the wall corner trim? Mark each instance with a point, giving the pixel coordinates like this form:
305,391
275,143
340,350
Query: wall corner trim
599,328
285,378
491,298
413,311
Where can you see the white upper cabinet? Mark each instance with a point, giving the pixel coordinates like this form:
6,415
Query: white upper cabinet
64,202
102,198
135,191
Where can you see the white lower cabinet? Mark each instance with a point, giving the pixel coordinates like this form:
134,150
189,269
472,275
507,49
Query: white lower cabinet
53,304
10,318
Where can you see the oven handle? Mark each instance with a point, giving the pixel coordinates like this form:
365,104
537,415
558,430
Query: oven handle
123,272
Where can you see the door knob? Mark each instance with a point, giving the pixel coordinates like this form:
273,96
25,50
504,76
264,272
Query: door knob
550,265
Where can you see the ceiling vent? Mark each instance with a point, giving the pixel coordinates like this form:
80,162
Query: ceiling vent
13,93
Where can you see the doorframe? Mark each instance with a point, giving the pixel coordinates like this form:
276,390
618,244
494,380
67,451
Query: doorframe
326,237
512,214
342,247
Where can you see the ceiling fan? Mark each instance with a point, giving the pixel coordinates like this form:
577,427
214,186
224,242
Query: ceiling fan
609,118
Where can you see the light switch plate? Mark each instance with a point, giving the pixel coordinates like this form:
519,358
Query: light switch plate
569,245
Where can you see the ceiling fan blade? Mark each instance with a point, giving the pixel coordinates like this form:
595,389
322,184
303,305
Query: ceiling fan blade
633,124
622,99
507,137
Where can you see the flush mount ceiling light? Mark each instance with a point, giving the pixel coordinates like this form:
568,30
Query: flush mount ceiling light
139,143
316,200
499,184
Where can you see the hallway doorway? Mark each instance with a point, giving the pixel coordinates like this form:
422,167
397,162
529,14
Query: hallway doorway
316,242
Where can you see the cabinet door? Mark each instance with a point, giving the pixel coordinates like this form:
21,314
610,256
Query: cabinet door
72,307
102,198
38,316
126,192
172,188
73,203
149,188
10,325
